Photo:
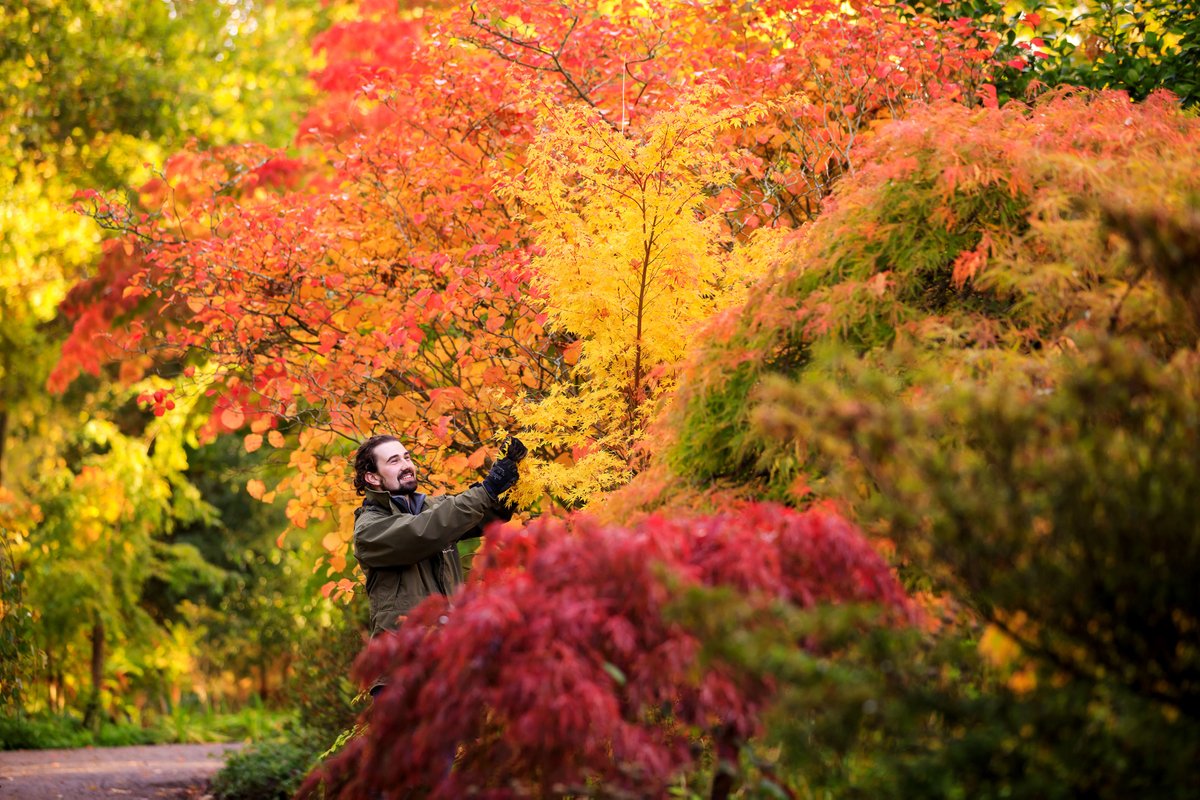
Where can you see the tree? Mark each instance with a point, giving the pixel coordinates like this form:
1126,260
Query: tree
1005,397
380,281
94,550
68,126
629,262
991,279
91,93
1138,47
562,666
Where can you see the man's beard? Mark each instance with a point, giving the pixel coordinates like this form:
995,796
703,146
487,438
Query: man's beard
406,485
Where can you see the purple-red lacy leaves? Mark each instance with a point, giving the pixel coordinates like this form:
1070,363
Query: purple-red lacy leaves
558,664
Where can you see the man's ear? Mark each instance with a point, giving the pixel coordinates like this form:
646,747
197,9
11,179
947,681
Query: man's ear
372,479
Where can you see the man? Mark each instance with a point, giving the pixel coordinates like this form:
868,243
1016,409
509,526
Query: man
406,542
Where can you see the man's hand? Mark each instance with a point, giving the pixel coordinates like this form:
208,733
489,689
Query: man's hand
500,479
513,450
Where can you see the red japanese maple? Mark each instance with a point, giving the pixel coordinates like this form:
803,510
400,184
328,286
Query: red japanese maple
559,663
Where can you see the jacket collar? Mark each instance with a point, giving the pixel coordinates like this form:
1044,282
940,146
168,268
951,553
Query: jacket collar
413,505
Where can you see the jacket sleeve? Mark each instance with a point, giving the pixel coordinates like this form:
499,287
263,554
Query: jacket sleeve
396,540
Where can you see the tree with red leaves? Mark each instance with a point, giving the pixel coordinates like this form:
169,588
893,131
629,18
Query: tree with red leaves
561,666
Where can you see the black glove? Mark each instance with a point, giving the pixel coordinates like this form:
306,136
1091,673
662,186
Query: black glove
501,478
514,450
505,512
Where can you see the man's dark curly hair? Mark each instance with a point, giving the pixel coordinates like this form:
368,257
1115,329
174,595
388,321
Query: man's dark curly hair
364,460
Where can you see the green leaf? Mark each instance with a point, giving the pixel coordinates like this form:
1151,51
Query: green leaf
615,673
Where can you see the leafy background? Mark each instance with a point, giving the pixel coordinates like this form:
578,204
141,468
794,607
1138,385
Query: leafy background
887,309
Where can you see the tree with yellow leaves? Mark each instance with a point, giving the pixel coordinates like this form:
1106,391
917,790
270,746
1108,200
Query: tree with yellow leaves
633,256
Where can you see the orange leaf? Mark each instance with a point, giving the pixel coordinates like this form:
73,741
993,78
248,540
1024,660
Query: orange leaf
255,488
275,438
253,441
476,458
232,418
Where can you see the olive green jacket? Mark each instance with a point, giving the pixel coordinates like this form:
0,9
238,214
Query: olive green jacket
407,557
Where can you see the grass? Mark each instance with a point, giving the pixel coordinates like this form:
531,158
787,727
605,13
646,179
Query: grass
185,724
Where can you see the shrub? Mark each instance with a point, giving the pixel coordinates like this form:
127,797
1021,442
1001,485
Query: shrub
972,239
1137,47
1058,503
326,698
559,667
42,733
264,771
124,735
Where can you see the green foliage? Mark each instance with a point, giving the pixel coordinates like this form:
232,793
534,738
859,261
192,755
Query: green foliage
327,701
1138,46
1057,505
187,723
222,71
17,654
42,732
1058,501
190,721
267,771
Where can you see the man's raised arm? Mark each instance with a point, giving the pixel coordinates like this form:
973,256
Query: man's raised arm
394,540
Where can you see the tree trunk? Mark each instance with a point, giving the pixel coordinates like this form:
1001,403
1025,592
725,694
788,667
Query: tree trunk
91,717
3,439
725,748
51,688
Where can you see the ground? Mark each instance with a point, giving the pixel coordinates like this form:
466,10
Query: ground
163,772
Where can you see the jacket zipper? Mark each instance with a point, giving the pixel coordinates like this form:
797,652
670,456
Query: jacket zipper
437,562
439,571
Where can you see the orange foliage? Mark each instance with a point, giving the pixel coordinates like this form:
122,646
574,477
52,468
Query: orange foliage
377,281
970,240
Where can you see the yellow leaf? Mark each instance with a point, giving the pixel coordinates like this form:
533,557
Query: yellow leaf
998,647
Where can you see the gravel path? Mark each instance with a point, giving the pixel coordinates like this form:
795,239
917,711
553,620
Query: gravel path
162,772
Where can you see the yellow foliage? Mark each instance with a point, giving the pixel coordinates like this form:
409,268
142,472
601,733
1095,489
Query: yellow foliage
998,648
632,261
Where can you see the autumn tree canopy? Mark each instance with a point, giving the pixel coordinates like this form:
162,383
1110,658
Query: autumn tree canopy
883,262
396,271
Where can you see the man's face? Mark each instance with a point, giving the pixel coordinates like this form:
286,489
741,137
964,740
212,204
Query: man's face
394,472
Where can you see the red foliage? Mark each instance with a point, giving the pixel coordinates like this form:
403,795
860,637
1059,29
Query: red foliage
558,664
